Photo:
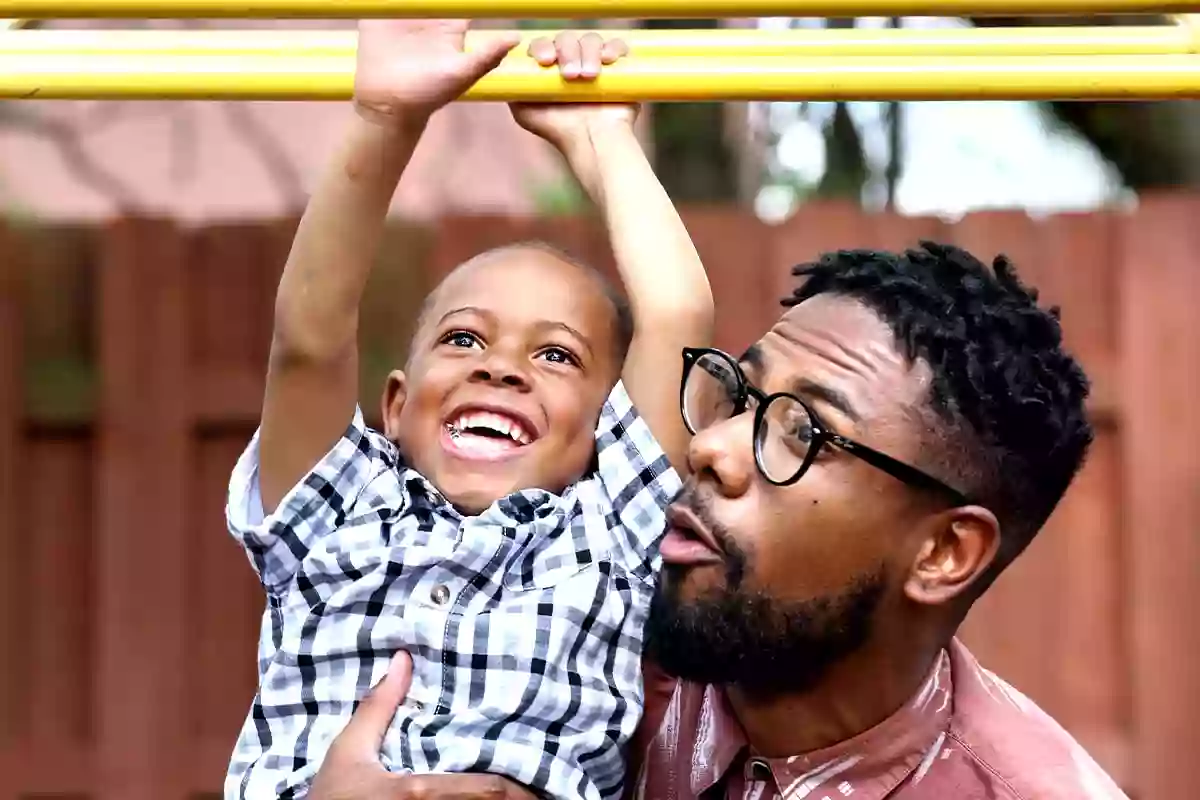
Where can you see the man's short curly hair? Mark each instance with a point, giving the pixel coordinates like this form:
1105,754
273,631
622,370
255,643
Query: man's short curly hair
1008,401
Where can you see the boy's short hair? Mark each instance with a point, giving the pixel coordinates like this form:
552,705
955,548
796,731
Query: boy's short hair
622,312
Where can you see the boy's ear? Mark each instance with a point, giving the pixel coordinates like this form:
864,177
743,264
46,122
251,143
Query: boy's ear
395,392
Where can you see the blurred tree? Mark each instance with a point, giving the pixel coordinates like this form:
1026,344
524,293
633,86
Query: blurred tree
1152,145
846,170
693,155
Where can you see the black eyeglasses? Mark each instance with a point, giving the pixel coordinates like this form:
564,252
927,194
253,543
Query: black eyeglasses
787,433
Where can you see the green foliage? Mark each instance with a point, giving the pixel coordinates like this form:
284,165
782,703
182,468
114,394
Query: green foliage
846,171
557,24
560,197
60,390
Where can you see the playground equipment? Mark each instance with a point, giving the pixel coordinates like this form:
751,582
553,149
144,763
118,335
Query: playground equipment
1050,63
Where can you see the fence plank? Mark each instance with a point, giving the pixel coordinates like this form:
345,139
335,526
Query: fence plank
227,296
65,772
1088,665
459,239
11,407
1160,285
830,226
737,253
142,485
59,551
1077,270
224,624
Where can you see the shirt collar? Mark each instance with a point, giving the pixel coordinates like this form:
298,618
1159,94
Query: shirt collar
878,759
519,508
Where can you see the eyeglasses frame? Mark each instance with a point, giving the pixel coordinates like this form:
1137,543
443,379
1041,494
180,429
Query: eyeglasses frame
822,435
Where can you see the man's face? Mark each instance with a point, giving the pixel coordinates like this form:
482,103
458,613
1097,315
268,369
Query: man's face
801,572
510,368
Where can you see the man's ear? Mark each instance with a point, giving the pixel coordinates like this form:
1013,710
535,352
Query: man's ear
395,392
959,547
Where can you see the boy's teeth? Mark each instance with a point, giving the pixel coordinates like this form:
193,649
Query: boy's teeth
489,421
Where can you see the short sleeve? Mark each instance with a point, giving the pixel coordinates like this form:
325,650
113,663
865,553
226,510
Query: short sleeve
636,474
319,504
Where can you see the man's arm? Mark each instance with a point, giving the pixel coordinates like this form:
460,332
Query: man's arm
406,70
668,290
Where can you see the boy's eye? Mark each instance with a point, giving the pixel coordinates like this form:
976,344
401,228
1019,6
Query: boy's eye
559,355
460,339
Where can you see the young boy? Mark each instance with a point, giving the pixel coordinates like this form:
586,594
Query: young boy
503,529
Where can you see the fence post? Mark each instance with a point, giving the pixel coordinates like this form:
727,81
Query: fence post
736,248
11,408
141,505
1160,338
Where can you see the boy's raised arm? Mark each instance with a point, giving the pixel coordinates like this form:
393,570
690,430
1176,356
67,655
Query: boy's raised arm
668,289
406,70
312,375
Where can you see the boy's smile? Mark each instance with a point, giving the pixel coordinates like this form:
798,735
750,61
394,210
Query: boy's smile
487,433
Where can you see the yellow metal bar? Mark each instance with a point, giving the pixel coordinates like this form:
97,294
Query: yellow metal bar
1126,40
1189,25
711,78
559,9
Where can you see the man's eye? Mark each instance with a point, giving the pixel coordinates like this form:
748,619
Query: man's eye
460,339
802,429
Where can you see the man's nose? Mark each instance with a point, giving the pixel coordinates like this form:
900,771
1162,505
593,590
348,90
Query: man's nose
724,455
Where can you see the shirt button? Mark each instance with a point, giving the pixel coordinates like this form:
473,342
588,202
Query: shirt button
758,770
440,594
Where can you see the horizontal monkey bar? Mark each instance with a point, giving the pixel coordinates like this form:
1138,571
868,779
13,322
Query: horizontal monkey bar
251,76
750,43
568,9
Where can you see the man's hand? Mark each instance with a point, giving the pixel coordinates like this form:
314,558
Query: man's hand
352,771
570,127
409,68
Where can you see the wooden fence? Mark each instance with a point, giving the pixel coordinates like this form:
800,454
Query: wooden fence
131,361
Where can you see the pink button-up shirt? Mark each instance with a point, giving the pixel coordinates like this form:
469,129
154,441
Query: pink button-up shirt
966,735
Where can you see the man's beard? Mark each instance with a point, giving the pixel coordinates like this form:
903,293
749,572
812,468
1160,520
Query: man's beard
731,635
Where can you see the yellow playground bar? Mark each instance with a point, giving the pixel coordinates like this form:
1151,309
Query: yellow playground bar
559,9
1101,62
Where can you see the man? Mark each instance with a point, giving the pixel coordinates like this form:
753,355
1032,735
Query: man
860,476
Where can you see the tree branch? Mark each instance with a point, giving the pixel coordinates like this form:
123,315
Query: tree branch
68,139
1152,145
279,167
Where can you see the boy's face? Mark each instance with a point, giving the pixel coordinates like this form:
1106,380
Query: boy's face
514,358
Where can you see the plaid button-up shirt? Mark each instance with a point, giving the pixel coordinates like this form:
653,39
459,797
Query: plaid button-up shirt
524,623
